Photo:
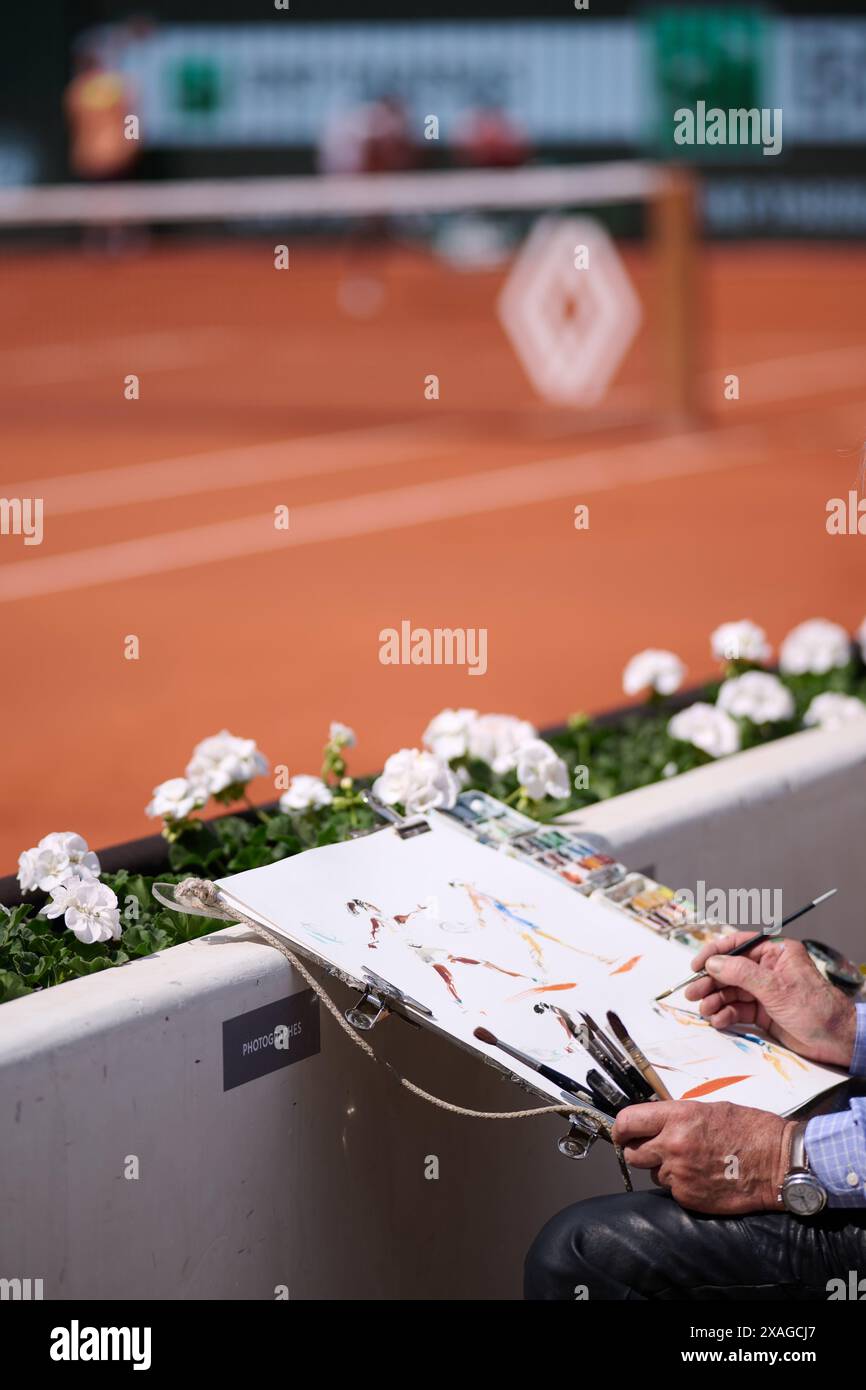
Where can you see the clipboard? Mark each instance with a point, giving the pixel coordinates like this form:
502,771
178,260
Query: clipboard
479,914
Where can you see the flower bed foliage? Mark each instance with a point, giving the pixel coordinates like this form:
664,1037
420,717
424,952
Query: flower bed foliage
94,921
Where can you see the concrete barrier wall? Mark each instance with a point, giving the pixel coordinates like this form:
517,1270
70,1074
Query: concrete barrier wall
312,1181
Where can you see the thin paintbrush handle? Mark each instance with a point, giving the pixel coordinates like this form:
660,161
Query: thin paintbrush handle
625,1076
753,941
745,946
624,1060
565,1083
639,1058
650,1075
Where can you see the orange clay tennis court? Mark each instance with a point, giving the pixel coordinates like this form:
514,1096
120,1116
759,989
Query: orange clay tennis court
258,391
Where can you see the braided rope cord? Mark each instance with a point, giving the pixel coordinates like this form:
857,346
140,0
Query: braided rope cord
202,893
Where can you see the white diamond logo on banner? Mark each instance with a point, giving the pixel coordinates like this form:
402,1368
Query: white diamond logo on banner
570,327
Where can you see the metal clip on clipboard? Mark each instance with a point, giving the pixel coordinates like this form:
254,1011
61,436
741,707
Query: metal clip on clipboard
378,998
405,826
582,1134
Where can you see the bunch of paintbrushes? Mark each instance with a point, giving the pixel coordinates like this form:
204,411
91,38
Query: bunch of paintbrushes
622,1075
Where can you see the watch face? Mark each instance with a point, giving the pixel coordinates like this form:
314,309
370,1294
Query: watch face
803,1196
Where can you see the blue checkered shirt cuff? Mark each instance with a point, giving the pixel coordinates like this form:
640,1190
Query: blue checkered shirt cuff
836,1144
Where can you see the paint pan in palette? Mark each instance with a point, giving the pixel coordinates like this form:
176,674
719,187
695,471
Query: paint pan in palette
582,880
656,907
488,820
622,893
606,875
551,860
529,845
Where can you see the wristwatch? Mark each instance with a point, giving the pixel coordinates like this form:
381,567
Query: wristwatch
801,1193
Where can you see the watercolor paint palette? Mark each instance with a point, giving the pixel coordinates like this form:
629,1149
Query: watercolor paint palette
563,852
481,938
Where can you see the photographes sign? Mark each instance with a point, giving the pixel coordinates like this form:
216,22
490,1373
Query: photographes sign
266,1039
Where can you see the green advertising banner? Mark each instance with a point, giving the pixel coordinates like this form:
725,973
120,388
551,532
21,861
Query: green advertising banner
716,57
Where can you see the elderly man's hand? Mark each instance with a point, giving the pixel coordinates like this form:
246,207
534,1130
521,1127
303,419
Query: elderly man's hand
714,1157
778,987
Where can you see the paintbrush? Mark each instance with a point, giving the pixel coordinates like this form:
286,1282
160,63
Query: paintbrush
643,1064
605,1094
611,1060
770,932
558,1078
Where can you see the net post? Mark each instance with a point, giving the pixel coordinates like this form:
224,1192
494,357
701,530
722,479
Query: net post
673,224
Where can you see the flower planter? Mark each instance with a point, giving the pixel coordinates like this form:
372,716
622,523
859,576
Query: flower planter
139,1172
149,855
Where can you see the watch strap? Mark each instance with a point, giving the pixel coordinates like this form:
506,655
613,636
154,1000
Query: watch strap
798,1158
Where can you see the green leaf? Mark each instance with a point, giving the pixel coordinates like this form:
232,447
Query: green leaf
141,940
232,832
12,987
14,917
280,827
25,961
79,965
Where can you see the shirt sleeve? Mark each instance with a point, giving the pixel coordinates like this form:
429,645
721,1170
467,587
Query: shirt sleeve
858,1061
836,1144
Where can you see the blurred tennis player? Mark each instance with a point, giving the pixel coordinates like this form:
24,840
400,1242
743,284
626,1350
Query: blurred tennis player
96,103
374,138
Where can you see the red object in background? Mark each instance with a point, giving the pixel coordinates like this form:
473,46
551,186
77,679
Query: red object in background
374,138
488,139
388,144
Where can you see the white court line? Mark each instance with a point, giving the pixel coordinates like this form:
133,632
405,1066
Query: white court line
303,456
222,469
771,379
371,512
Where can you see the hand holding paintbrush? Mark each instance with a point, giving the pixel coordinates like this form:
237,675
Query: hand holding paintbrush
777,988
771,933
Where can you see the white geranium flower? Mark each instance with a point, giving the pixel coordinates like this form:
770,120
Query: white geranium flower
54,859
708,728
28,870
89,909
495,739
175,798
741,641
223,761
417,780
816,646
304,793
670,770
447,734
756,695
540,771
341,735
831,710
653,670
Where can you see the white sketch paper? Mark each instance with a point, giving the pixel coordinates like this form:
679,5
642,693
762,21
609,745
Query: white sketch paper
482,939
